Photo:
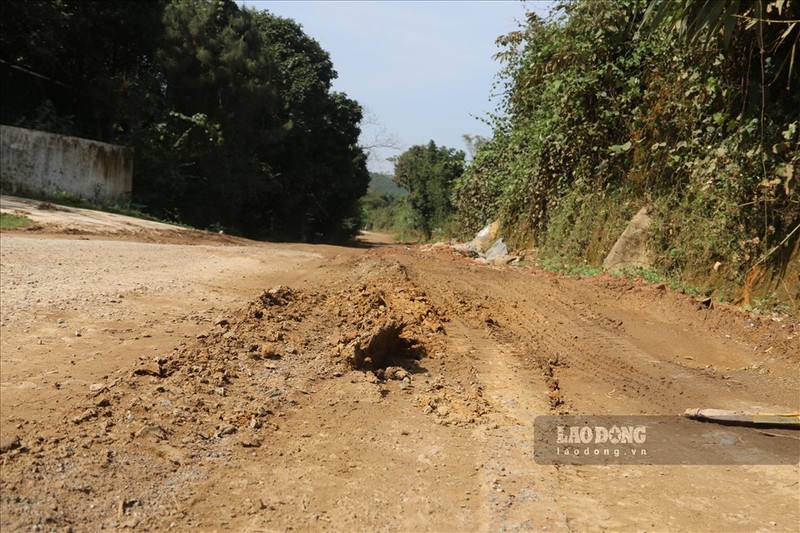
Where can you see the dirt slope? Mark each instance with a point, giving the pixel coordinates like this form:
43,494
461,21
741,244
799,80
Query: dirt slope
255,387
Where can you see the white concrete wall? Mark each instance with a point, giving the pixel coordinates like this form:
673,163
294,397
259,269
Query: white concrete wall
47,163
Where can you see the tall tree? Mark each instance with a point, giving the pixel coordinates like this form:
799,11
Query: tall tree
428,172
222,116
323,167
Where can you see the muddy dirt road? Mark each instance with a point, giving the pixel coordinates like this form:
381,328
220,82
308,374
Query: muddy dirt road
242,386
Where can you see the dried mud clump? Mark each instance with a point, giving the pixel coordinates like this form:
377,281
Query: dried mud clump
278,296
372,350
381,319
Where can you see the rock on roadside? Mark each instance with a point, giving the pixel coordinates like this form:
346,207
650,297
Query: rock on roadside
484,253
498,249
631,248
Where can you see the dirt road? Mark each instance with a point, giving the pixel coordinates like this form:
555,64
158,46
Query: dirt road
228,385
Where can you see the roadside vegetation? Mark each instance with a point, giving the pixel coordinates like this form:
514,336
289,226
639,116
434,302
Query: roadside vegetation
692,108
66,199
385,209
428,173
9,221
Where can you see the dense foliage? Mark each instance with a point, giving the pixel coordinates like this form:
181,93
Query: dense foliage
385,207
428,173
230,111
606,109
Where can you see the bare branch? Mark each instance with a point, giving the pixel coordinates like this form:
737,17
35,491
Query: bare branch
375,135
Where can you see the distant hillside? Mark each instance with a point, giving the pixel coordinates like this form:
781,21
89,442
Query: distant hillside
383,184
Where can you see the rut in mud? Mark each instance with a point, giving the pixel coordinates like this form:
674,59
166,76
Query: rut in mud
398,392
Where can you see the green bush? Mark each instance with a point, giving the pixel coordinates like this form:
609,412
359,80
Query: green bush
606,111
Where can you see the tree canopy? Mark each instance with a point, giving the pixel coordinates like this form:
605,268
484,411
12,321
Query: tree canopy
428,172
230,111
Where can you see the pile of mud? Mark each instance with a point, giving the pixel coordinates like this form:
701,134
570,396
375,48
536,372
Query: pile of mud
384,321
150,431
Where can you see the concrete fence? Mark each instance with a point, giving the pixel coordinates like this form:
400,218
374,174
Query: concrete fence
46,163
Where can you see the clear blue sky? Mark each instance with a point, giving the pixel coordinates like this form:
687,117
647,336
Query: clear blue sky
423,68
